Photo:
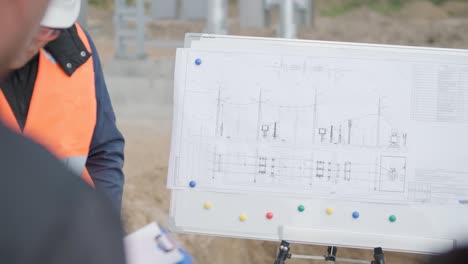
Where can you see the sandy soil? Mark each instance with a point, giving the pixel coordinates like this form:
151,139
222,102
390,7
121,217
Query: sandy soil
148,139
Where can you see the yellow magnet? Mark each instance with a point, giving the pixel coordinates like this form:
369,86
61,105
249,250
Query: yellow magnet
207,205
243,217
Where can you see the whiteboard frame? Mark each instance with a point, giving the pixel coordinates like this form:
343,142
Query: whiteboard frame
447,225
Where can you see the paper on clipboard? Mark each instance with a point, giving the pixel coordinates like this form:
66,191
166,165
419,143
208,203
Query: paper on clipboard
150,245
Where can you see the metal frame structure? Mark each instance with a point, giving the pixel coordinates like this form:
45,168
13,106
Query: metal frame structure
130,21
293,13
83,17
130,24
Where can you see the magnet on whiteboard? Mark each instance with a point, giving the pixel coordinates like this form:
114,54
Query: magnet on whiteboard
243,217
207,205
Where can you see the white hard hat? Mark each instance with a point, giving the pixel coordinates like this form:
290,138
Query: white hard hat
61,13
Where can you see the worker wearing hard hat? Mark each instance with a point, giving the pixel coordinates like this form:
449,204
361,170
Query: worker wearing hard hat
48,215
56,95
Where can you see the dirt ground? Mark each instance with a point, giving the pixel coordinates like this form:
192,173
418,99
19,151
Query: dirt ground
148,136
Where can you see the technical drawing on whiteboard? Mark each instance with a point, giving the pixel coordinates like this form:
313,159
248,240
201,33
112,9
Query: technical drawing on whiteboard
301,125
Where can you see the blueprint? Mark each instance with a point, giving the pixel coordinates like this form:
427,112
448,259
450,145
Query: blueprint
381,126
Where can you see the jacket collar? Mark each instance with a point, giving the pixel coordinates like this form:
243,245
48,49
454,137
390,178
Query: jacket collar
69,50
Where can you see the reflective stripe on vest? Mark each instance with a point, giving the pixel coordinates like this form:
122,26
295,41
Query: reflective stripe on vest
75,164
62,111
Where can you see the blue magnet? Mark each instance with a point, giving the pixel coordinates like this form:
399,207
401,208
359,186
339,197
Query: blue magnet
192,184
355,215
198,61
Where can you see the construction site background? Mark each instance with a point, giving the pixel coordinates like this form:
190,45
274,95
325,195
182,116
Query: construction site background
141,91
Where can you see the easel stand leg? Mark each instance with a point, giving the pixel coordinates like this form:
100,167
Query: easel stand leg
330,258
379,257
331,255
283,253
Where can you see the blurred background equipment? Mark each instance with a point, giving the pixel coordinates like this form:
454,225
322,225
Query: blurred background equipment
130,23
131,20
83,18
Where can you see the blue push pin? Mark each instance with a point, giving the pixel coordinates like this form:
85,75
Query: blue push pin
198,61
192,184
355,215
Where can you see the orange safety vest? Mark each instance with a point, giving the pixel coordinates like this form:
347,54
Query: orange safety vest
62,112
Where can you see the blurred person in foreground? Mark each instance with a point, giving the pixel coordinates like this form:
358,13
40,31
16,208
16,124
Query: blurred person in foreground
19,20
48,215
55,94
455,256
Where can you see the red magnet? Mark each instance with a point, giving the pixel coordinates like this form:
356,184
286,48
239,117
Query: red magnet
269,215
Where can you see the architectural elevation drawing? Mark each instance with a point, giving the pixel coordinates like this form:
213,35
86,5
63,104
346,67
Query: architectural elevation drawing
369,126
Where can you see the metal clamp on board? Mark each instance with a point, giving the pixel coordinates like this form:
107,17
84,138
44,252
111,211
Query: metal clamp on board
165,243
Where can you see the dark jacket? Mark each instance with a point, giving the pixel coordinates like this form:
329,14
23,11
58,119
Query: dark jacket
49,215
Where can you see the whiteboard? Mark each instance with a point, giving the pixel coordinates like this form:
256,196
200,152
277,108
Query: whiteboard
355,145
